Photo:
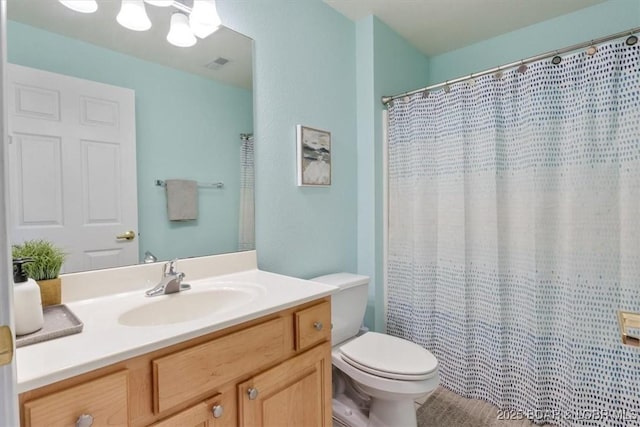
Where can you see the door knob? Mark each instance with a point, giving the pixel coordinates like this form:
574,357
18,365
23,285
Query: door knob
129,235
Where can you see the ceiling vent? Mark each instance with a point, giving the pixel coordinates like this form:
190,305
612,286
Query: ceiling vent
217,63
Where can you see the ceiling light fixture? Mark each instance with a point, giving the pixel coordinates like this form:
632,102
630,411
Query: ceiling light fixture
204,19
82,6
631,40
133,15
179,33
201,20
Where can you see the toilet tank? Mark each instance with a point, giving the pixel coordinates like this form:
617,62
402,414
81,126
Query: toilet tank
347,305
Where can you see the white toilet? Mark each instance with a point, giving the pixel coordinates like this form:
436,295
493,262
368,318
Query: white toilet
376,377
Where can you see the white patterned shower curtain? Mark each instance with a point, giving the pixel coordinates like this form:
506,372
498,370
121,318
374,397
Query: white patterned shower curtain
246,229
514,235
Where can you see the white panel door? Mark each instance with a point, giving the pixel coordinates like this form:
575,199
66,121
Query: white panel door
8,395
73,166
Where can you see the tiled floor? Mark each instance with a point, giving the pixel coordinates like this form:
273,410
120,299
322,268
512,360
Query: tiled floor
457,411
446,409
420,402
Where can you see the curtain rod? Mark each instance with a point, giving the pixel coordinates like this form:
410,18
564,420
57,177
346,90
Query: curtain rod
386,99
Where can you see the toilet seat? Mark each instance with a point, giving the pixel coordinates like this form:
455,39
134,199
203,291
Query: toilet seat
389,357
398,388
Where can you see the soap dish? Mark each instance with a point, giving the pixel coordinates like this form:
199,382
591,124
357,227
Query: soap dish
59,321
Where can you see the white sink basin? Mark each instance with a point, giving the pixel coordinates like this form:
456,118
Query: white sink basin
190,305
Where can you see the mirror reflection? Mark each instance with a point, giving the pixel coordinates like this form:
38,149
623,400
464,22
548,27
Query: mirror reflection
113,131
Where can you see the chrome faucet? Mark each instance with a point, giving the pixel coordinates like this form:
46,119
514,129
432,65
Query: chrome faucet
171,281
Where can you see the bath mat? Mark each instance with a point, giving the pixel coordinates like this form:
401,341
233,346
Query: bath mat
444,408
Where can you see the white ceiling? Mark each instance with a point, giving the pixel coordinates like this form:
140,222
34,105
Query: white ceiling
432,26
438,26
100,28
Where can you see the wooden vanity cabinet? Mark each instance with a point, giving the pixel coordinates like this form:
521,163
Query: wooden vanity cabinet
272,371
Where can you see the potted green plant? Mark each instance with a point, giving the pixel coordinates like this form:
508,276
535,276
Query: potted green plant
45,268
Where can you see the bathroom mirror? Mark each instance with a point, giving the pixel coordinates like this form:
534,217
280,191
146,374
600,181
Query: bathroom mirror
193,120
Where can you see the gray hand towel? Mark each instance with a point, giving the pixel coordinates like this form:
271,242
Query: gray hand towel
182,199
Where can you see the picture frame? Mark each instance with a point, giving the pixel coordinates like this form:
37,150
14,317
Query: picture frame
313,157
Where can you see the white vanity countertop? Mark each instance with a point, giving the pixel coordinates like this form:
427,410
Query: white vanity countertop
104,341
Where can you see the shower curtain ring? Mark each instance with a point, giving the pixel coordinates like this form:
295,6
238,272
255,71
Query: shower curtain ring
472,81
522,68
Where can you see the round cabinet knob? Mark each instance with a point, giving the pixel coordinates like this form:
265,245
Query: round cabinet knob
217,411
84,420
318,326
252,393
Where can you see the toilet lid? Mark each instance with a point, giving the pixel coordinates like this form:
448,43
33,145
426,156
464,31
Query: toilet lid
389,357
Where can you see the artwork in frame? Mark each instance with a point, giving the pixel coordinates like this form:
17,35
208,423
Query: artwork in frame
314,157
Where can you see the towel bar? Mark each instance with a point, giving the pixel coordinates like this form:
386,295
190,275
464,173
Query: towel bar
162,183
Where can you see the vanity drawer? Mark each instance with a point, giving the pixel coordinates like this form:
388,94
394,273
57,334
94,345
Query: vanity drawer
105,399
313,325
197,370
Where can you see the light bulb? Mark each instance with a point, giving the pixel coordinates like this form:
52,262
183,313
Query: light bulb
82,6
133,15
204,19
179,32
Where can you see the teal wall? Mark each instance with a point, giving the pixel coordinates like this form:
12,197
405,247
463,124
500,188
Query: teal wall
566,30
304,73
365,98
183,131
386,64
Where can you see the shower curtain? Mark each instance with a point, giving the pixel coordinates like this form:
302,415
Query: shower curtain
514,235
246,230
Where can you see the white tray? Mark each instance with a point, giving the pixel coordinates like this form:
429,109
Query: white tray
59,321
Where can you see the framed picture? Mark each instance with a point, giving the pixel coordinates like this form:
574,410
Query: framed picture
313,157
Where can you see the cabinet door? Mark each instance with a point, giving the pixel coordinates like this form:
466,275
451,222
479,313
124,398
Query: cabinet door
296,393
196,416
